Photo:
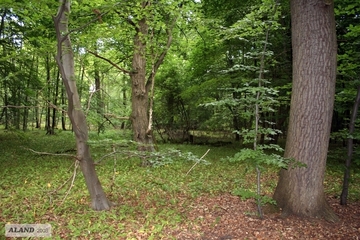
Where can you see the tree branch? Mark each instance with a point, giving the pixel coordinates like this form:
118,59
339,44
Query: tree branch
111,62
162,56
98,16
51,154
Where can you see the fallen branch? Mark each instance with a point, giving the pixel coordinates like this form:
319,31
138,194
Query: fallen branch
61,186
72,182
197,162
51,154
115,116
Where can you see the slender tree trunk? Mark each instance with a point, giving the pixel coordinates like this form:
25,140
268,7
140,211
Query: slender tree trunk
65,61
25,110
6,102
17,101
300,191
55,97
63,114
98,98
37,106
350,149
48,96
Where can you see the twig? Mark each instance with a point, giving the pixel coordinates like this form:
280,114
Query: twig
114,175
89,101
61,186
117,117
197,162
106,155
72,182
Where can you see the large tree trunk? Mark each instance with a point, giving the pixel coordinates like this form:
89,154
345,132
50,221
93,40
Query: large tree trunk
300,191
140,93
65,61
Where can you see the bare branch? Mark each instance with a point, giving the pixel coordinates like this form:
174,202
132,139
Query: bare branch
51,154
61,186
115,116
111,62
97,18
89,101
14,106
162,55
72,182
198,161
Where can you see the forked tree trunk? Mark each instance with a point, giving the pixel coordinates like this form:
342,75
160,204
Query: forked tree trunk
143,85
140,93
300,191
65,61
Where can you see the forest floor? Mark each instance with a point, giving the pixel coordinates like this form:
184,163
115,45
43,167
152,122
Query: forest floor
164,202
227,217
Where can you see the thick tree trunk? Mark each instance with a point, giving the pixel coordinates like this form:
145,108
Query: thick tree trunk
65,61
300,191
140,93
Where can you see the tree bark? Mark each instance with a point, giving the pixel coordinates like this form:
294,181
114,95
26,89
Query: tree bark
98,98
65,61
55,98
48,128
300,191
63,114
140,94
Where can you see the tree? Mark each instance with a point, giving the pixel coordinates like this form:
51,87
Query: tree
349,75
65,61
300,191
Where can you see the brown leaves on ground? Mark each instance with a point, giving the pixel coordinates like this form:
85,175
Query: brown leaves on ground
226,217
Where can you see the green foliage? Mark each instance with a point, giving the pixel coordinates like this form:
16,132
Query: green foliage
258,157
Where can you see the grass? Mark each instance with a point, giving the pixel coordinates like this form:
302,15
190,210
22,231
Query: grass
150,200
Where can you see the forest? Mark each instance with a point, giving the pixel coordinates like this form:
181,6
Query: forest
180,119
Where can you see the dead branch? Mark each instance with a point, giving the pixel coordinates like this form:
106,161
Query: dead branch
114,171
197,162
106,155
117,117
61,186
89,101
14,106
51,154
72,182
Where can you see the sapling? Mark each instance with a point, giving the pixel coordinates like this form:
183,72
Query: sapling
260,98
